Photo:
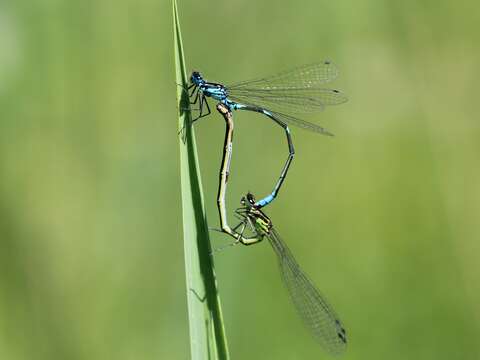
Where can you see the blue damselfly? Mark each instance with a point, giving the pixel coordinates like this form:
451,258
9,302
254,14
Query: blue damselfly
296,91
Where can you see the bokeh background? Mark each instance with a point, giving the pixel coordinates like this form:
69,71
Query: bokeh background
384,217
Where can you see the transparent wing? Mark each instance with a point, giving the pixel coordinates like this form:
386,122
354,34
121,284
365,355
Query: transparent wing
298,90
303,77
291,120
291,100
309,303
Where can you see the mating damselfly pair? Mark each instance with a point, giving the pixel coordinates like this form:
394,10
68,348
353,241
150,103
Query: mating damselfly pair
294,91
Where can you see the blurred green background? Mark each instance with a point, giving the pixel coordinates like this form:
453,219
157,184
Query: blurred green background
384,217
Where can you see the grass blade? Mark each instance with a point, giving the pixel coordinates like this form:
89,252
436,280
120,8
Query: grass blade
207,333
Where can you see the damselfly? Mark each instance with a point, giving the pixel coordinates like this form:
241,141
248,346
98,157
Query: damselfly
309,303
316,313
296,91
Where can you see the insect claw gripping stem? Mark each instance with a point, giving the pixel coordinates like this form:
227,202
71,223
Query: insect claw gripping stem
185,88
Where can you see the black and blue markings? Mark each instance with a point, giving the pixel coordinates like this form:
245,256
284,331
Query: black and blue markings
296,91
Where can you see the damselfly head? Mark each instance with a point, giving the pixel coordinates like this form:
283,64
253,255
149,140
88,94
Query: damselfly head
248,200
196,78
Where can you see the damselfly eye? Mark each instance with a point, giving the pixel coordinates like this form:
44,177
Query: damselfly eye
195,77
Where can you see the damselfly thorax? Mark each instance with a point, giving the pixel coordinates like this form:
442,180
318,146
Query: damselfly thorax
215,91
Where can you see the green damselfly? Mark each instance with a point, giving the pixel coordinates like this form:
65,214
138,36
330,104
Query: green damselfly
311,305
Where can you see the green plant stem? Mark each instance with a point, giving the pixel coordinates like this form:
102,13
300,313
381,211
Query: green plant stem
207,333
